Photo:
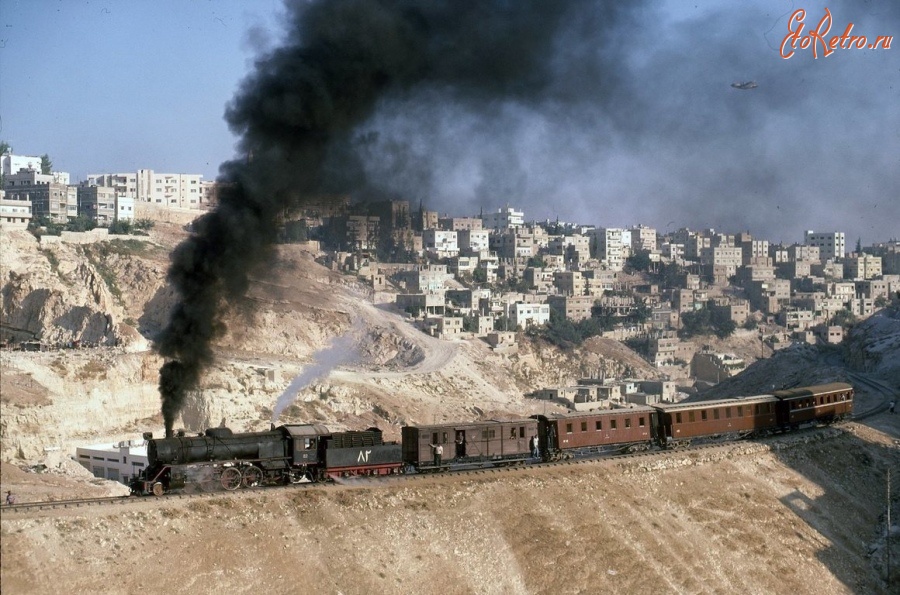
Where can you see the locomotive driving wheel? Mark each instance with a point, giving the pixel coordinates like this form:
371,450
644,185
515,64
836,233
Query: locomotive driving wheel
231,478
252,476
158,489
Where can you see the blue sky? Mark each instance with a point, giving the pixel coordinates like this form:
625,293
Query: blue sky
117,86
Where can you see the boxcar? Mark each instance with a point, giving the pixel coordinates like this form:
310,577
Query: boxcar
741,416
823,403
468,443
582,433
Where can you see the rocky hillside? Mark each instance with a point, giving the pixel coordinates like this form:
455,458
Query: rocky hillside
801,514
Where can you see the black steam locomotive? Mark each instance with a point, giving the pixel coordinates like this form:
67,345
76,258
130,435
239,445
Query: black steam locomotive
220,459
286,454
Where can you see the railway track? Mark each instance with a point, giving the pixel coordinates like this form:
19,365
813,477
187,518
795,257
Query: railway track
359,482
886,391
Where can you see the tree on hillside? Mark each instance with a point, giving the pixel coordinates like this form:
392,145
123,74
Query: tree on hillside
639,261
46,164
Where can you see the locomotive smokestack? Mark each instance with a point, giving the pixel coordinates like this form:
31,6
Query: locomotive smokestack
299,112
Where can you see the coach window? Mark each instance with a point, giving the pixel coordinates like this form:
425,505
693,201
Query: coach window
627,422
728,412
740,411
444,438
521,431
512,433
703,414
641,422
584,426
612,424
715,414
599,425
568,428
691,417
678,418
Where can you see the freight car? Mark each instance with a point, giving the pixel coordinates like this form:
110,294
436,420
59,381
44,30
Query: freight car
221,459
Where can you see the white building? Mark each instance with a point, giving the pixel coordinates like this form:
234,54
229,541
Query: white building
118,462
528,314
504,218
15,213
11,164
831,244
473,241
609,247
442,244
184,191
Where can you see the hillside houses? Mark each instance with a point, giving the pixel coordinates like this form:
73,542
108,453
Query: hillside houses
489,276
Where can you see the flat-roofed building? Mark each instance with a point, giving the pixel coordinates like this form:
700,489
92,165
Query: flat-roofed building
862,266
97,203
120,462
571,307
48,197
831,244
15,213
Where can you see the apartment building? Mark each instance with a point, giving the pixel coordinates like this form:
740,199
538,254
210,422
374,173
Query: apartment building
831,244
14,213
459,223
803,252
473,241
440,244
502,219
48,197
608,247
753,249
185,191
862,266
643,239
572,307
525,315
97,203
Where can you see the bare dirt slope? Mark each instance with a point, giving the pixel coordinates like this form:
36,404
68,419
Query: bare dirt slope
794,515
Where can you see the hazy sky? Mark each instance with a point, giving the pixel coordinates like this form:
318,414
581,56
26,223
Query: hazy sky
639,122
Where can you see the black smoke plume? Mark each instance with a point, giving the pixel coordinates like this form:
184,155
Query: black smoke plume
297,113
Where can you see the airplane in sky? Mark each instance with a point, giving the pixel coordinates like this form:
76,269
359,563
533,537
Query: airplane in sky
745,85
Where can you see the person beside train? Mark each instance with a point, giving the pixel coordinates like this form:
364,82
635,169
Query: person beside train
438,454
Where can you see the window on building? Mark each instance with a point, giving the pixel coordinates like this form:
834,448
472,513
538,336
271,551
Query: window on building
100,472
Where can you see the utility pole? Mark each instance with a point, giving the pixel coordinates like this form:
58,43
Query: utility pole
887,540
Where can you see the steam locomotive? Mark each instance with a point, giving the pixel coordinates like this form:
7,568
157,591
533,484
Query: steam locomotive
221,459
